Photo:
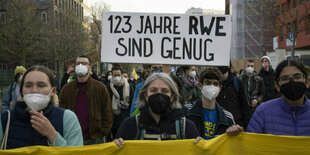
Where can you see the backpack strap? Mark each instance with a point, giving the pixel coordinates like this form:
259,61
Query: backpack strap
180,127
183,125
236,84
137,118
6,133
141,134
177,128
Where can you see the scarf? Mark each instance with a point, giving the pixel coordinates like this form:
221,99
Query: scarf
117,104
191,83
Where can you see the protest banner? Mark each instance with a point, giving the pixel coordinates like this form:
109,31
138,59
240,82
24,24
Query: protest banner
178,39
244,143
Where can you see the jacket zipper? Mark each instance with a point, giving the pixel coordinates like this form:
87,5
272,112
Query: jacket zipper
295,121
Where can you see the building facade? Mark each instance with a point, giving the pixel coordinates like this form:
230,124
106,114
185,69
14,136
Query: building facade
58,17
294,20
252,31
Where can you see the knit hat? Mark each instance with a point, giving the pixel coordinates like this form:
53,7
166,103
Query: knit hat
19,69
265,57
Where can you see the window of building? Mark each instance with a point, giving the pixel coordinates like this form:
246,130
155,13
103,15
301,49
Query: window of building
295,3
283,8
44,17
2,17
289,29
281,33
56,3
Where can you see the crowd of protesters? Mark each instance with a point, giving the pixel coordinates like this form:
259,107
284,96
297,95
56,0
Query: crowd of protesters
85,109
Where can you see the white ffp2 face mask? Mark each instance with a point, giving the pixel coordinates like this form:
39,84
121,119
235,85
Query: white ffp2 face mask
37,101
249,70
192,74
116,79
81,70
20,78
210,92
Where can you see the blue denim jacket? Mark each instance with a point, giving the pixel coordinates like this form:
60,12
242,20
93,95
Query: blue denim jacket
9,96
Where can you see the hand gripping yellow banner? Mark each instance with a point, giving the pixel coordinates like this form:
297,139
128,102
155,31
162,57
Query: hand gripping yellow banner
244,143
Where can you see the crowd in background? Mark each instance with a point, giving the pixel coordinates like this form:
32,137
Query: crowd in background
85,109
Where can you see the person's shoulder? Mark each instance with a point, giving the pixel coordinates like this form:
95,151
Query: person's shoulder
14,85
268,105
97,84
140,84
259,78
96,81
226,113
131,119
69,85
130,123
190,123
69,113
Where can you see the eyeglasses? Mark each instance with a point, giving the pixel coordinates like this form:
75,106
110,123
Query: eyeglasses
296,77
208,83
83,63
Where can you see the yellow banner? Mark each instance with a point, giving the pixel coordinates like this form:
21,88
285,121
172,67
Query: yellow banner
244,143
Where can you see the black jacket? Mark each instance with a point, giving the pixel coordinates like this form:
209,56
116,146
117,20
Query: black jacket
224,119
124,112
235,102
128,128
257,89
268,78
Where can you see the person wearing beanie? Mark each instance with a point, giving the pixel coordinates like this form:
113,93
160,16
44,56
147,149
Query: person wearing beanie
268,75
12,93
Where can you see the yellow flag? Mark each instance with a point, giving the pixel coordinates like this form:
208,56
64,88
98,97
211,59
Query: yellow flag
134,74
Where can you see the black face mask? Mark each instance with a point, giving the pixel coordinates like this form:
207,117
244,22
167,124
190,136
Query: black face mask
223,69
293,90
159,103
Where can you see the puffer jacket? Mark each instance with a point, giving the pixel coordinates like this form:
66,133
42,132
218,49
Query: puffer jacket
279,118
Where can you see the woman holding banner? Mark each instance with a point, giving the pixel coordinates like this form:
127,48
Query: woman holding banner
161,116
35,120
